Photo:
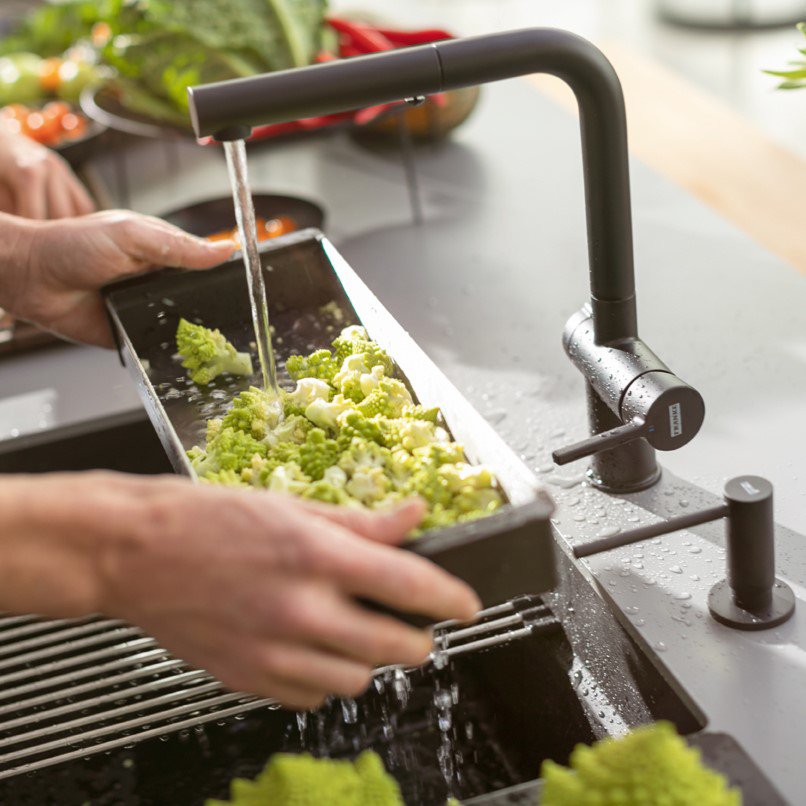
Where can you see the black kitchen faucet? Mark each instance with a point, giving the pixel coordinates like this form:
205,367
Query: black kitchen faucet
635,403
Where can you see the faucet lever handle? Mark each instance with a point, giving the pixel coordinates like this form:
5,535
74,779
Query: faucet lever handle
622,434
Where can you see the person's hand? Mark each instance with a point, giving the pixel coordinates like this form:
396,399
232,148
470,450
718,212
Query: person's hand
35,182
257,588
59,266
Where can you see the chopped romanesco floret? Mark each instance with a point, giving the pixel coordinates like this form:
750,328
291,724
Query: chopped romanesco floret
293,429
351,436
301,780
229,450
318,453
326,414
320,364
389,398
652,766
308,390
408,434
256,412
288,478
207,354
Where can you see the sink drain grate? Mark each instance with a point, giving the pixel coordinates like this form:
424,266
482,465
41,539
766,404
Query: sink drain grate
73,688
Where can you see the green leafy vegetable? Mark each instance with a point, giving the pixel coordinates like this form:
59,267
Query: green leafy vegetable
795,77
161,47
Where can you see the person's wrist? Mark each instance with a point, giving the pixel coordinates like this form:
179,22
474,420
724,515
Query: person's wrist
56,532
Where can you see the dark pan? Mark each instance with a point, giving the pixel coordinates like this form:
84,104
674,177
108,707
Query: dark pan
207,217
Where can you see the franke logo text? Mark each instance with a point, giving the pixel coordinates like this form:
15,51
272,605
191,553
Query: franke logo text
675,420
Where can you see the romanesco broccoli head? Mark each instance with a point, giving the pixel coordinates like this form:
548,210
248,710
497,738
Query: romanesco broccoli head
254,411
207,354
301,780
318,453
651,766
319,364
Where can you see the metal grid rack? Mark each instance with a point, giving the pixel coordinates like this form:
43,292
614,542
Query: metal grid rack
73,688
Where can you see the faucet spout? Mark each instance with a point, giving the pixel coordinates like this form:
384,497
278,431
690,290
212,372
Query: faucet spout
340,86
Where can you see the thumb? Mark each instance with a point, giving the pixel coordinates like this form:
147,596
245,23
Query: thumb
381,526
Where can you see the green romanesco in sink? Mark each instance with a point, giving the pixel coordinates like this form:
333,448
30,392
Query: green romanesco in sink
652,766
301,780
351,435
207,354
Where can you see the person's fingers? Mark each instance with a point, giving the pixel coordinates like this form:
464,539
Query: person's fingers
391,576
30,191
59,199
83,203
295,698
162,245
337,624
313,669
7,204
383,526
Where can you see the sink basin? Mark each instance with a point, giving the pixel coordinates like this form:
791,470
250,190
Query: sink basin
124,442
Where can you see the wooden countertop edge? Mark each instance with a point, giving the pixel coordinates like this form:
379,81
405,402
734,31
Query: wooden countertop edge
694,139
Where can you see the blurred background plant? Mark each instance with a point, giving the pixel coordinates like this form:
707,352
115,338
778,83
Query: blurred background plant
794,78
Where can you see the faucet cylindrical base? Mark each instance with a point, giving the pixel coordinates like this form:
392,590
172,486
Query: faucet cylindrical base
625,469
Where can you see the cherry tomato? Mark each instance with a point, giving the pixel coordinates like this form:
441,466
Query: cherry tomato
36,124
73,126
15,112
56,110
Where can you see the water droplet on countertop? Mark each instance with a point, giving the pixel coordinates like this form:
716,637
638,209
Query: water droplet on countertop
695,550
676,569
682,596
660,646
